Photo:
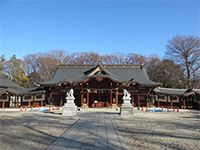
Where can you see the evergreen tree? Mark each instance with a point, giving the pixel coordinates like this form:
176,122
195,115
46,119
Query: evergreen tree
15,70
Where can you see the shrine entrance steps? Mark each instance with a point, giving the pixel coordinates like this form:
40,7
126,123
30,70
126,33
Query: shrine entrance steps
103,109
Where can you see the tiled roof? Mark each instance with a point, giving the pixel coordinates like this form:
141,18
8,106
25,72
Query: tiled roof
170,91
120,73
5,83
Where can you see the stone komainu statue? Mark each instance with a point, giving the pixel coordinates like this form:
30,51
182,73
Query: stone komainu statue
126,94
70,94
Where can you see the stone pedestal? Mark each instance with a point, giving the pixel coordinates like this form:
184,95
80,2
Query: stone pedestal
69,109
126,108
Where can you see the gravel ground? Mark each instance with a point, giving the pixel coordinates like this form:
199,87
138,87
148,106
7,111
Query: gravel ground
161,130
36,130
31,130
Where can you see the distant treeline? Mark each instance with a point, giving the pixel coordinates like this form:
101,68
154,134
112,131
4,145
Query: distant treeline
179,69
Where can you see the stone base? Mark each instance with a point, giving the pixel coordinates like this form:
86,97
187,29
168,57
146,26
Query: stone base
126,108
126,111
69,109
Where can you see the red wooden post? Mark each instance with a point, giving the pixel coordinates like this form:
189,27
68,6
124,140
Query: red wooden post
158,101
177,109
167,98
29,103
88,97
116,97
50,108
3,104
173,108
82,102
172,103
138,96
111,98
184,106
41,104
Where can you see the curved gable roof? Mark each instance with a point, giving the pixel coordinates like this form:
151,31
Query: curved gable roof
121,73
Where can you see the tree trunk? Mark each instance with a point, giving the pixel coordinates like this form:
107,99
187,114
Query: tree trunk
188,74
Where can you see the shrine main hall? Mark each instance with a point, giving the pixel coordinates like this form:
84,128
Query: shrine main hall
99,85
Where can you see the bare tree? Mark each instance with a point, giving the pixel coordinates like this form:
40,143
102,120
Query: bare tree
151,66
165,72
59,55
185,51
41,66
116,58
136,59
31,63
2,60
84,58
106,59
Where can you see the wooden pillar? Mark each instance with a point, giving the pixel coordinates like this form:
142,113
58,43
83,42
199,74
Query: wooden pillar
152,97
184,103
158,101
116,97
138,98
171,102
41,102
50,98
167,99
50,95
61,101
88,98
29,102
3,104
9,103
156,98
33,100
192,101
22,100
110,97
82,98
178,99
17,101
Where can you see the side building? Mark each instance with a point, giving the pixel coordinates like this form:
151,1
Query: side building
8,93
182,98
15,96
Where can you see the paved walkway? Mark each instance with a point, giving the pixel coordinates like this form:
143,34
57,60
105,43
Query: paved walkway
94,130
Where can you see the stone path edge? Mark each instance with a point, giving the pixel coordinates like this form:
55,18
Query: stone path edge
121,139
59,138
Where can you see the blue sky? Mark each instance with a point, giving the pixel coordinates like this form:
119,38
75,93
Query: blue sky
120,26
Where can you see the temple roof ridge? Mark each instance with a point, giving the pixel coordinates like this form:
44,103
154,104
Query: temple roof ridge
105,65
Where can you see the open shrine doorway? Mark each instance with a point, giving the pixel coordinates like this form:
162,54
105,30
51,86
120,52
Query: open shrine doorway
99,98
